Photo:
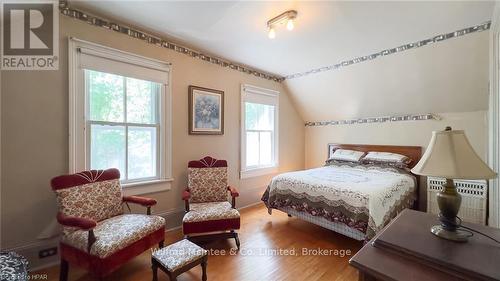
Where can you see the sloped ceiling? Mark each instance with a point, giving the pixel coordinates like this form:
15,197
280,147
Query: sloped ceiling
450,76
444,77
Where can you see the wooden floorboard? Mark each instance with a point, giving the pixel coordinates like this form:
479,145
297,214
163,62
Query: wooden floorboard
260,234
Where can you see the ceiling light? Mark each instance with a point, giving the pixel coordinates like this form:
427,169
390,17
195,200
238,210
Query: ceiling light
272,33
287,17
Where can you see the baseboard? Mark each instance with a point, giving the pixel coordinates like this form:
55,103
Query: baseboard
30,252
250,205
173,218
45,265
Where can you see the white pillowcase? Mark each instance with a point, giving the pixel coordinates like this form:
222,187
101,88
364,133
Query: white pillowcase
386,157
347,155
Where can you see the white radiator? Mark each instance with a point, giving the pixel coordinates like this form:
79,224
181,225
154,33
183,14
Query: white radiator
474,198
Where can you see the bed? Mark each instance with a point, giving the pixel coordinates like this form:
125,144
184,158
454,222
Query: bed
353,199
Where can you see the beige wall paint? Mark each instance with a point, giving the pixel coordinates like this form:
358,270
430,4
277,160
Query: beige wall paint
35,132
416,133
448,76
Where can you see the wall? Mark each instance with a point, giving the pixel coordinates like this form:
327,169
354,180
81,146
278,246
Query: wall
416,133
35,133
448,76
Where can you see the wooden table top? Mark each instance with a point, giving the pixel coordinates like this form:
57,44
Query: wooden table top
388,266
391,264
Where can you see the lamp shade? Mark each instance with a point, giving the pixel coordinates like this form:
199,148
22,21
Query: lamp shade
450,155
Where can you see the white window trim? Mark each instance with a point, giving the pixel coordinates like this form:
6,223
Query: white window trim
494,115
77,136
260,171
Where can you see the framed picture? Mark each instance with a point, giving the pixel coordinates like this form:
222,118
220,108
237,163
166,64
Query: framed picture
206,111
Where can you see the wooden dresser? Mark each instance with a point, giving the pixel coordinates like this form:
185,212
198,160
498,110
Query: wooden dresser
406,250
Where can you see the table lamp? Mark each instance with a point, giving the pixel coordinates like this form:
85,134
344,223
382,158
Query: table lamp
449,155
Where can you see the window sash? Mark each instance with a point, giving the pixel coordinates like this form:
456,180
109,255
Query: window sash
126,125
260,164
88,127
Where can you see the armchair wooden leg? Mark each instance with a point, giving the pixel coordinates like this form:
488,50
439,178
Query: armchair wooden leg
160,245
172,276
204,269
236,239
63,273
154,267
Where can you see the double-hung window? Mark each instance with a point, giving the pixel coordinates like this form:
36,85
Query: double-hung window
119,114
259,123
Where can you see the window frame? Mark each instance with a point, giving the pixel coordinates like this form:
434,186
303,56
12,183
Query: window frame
79,135
255,171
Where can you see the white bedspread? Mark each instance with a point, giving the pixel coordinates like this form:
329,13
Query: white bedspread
360,189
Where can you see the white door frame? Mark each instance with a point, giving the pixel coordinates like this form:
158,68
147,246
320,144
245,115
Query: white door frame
494,118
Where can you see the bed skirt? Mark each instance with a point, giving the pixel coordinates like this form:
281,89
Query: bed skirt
338,227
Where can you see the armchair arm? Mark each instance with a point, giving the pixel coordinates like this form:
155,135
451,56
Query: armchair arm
234,193
186,195
143,201
81,223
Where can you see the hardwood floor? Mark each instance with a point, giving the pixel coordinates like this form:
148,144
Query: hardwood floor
262,236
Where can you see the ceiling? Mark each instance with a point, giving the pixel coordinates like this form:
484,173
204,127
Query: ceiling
326,32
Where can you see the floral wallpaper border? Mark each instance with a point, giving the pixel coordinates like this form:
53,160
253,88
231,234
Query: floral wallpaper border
407,117
141,35
402,48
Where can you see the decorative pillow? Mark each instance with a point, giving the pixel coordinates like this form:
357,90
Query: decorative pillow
207,184
97,200
394,159
387,157
340,163
347,155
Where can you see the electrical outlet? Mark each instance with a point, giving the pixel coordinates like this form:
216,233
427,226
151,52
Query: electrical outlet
47,252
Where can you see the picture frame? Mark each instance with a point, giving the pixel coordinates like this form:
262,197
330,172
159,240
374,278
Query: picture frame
206,111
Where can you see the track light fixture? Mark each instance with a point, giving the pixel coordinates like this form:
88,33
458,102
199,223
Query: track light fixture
287,17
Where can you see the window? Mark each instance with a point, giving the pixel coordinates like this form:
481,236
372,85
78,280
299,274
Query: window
122,124
120,115
259,138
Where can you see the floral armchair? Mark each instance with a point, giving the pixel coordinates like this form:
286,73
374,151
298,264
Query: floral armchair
209,215
97,235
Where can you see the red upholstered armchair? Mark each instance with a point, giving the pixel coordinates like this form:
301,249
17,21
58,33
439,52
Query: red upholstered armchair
208,213
96,234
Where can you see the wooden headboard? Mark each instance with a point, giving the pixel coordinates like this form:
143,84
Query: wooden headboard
414,152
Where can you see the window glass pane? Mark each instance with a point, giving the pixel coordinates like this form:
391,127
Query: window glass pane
142,101
266,152
259,116
141,152
106,96
107,147
252,156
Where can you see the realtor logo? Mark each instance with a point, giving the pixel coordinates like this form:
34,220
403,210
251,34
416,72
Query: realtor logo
30,35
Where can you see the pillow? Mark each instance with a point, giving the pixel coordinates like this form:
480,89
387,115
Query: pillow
347,155
386,157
